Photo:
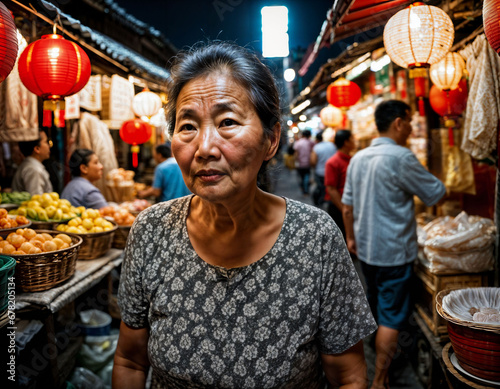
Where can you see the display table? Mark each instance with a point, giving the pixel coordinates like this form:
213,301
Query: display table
60,344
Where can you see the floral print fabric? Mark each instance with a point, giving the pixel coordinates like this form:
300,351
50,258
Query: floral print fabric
258,326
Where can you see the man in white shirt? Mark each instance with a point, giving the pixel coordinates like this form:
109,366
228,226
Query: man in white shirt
31,176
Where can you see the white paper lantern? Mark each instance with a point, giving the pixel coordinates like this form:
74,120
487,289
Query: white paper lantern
419,35
146,103
447,73
331,116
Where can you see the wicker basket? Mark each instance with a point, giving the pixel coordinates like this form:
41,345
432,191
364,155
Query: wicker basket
95,244
120,238
7,265
38,272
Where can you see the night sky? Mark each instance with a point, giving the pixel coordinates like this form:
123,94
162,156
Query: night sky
185,22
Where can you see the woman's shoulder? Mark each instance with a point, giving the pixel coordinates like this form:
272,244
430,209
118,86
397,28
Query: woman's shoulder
167,209
301,213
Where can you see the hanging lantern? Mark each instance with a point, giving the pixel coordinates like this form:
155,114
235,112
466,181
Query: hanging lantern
416,38
135,132
8,42
447,73
343,93
331,116
53,67
491,21
449,104
146,103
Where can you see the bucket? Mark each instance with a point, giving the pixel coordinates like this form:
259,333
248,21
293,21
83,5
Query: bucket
94,322
7,265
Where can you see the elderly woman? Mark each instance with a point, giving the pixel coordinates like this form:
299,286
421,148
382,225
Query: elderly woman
233,287
85,169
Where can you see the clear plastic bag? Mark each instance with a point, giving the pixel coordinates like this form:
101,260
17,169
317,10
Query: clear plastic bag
463,243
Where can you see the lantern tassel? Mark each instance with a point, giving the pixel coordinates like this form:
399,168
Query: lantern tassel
135,160
451,139
421,106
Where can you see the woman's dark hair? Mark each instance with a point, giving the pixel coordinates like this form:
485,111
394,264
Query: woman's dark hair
78,158
388,111
342,136
238,62
165,150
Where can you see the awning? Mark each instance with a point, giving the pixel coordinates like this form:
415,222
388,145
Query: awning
347,18
115,50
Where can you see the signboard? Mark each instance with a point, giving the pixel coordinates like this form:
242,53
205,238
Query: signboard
117,95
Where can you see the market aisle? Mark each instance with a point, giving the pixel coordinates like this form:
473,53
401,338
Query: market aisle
403,377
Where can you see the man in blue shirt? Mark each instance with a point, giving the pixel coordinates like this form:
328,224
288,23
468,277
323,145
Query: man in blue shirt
168,182
379,217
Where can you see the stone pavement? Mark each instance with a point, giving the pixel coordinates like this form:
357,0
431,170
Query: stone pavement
403,375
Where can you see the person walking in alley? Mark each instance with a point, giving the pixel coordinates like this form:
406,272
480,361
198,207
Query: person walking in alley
379,217
335,174
303,148
321,151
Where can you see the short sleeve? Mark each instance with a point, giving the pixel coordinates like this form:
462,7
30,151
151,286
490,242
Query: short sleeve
417,180
132,298
95,199
347,195
345,315
158,179
331,174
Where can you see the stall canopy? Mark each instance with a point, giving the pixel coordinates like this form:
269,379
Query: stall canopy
347,18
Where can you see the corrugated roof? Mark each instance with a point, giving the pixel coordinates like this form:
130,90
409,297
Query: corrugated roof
112,48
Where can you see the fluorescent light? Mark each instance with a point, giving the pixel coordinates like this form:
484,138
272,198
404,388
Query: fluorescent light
275,31
301,107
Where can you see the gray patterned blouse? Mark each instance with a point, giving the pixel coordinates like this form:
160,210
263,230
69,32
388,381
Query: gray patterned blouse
259,326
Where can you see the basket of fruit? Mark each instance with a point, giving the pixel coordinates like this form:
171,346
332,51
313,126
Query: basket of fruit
12,222
46,210
124,219
44,258
97,233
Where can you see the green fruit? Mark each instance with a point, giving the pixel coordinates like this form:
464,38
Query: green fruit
31,213
51,211
21,211
58,215
42,215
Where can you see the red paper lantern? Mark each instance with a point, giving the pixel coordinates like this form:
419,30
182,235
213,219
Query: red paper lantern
453,104
343,93
53,67
135,132
491,21
449,104
8,42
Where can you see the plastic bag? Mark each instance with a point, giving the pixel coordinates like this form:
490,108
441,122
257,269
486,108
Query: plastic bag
464,243
97,352
83,378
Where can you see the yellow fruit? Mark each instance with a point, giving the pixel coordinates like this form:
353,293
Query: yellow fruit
82,230
88,223
22,211
51,211
73,230
49,246
98,229
73,223
33,203
65,216
65,202
58,215
107,228
107,224
36,197
64,208
24,204
65,238
85,214
46,236
62,227
58,242
54,195
80,210
72,214
98,221
42,215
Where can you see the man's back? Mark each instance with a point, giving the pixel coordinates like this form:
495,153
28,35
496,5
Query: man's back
303,148
168,177
381,182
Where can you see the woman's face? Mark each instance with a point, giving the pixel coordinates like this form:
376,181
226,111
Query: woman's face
93,170
218,138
